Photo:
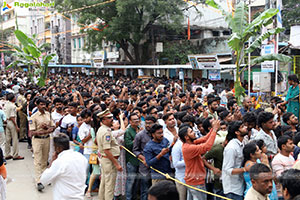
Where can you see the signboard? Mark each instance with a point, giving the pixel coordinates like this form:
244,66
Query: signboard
214,75
99,60
159,47
267,66
113,54
204,62
256,81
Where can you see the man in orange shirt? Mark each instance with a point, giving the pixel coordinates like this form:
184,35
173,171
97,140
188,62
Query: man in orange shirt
192,151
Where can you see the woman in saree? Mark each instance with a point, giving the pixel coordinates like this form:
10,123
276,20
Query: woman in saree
292,97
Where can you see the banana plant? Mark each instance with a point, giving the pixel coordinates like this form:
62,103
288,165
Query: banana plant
31,55
242,31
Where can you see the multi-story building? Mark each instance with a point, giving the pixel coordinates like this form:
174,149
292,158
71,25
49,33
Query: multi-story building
60,28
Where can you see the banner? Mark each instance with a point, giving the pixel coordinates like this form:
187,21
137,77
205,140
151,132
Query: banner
267,66
214,75
204,62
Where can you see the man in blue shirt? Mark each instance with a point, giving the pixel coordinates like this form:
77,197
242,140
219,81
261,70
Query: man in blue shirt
157,153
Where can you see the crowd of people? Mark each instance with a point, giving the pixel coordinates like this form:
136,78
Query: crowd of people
118,137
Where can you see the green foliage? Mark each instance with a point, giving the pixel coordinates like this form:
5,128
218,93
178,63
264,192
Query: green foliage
30,55
127,23
241,33
290,13
177,53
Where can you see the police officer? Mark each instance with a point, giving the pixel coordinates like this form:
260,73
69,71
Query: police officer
110,151
12,128
40,127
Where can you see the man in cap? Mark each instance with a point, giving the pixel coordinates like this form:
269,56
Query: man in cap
110,151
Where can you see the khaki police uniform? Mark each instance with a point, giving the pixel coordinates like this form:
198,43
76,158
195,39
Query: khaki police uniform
40,143
21,101
11,131
106,140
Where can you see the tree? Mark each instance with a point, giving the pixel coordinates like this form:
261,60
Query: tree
31,55
128,23
241,33
290,13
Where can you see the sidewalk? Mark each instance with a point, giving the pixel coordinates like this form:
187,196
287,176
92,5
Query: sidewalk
21,183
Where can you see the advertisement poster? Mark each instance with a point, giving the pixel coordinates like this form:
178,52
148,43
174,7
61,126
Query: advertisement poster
214,75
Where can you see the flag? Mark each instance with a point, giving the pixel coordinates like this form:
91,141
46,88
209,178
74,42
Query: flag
279,18
189,29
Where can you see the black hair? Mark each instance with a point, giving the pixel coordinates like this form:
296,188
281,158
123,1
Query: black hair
150,109
250,117
62,141
166,116
258,168
224,114
164,190
58,100
188,118
199,89
199,120
141,103
10,96
232,128
197,105
260,143
96,100
73,104
286,117
264,117
283,140
296,138
211,100
220,109
185,108
132,114
290,180
249,149
150,118
138,108
41,100
183,132
230,103
206,124
293,77
85,113
289,133
155,127
223,123
182,95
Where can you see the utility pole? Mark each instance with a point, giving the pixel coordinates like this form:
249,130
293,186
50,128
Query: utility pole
249,54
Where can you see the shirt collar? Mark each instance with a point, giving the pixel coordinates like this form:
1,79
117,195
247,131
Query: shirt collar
259,195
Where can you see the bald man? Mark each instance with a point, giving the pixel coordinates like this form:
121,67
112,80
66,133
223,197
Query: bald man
247,106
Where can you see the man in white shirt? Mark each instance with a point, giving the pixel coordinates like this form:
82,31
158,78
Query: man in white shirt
57,115
84,132
69,121
171,131
284,160
67,172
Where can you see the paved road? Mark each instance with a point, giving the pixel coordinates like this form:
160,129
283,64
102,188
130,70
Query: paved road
21,184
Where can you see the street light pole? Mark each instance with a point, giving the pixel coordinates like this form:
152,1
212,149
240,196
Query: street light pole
249,54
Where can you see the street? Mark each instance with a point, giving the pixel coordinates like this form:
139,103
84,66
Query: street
21,184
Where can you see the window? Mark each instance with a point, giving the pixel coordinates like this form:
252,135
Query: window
52,24
79,43
226,33
35,30
74,43
31,32
216,33
58,22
